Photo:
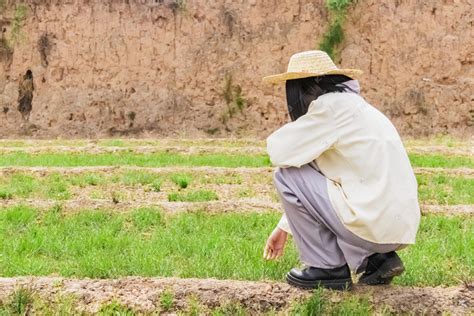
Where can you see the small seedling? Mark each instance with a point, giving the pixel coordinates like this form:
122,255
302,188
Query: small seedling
116,197
194,307
195,196
21,301
97,195
5,195
166,300
229,309
115,309
156,185
137,178
56,187
182,180
92,179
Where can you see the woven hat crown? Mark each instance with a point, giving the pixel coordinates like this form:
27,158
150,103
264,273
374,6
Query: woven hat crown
314,61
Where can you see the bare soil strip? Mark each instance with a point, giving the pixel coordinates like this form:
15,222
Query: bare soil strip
245,205
93,149
143,294
442,150
205,148
464,172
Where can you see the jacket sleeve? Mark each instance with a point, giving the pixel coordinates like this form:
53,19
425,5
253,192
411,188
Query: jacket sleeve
300,142
283,224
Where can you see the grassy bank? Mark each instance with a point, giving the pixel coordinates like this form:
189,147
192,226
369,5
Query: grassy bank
229,246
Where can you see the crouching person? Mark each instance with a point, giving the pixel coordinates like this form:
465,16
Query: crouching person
344,178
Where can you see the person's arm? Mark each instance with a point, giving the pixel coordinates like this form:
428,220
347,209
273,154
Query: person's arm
300,142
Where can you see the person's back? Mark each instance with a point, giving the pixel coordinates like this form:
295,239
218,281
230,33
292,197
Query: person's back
371,173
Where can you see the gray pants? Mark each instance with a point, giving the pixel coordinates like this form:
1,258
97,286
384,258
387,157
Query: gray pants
321,238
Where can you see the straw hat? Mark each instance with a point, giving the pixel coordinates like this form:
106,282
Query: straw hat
311,63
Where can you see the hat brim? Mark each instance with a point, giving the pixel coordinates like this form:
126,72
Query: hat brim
352,73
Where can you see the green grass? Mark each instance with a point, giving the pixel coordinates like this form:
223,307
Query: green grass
441,189
182,180
441,161
115,309
100,244
443,253
193,196
322,302
433,188
20,302
24,301
166,300
132,159
86,179
22,185
334,35
137,177
173,159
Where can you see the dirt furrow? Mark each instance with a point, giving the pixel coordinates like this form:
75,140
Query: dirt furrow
143,294
441,150
91,149
464,172
245,205
212,207
201,149
133,142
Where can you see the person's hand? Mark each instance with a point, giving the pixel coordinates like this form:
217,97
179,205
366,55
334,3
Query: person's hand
275,244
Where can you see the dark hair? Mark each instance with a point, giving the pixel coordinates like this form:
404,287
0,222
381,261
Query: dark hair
301,92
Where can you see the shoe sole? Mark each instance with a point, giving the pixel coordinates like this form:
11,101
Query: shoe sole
385,274
340,285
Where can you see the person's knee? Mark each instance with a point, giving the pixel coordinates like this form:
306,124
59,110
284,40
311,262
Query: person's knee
284,178
281,176
277,177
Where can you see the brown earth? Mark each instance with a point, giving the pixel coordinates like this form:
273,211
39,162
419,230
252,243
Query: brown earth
142,294
439,143
109,67
247,150
243,205
262,172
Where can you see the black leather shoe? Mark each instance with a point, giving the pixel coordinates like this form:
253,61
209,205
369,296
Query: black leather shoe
382,268
310,278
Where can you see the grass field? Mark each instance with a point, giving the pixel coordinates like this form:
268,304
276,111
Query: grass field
39,241
176,159
433,188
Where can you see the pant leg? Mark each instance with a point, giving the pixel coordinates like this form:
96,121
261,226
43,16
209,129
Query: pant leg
316,244
304,191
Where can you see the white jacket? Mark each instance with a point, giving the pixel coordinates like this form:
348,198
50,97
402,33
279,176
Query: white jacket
371,183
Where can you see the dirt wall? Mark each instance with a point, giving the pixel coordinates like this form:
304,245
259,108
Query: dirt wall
194,68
